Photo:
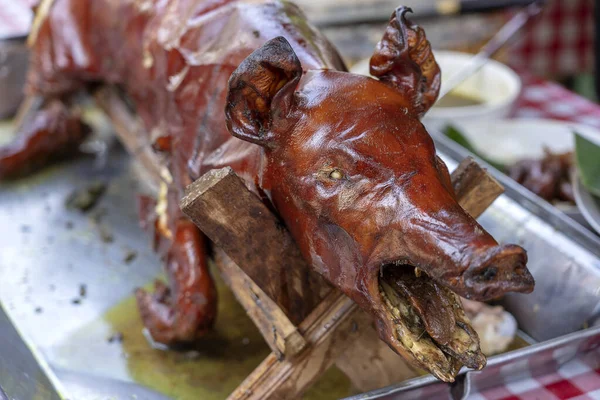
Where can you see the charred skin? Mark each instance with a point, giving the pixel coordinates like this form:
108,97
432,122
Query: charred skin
404,60
342,158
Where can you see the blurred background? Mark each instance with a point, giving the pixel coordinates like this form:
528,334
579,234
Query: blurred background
557,45
530,113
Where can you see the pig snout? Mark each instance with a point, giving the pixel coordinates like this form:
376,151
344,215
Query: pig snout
462,256
494,271
455,251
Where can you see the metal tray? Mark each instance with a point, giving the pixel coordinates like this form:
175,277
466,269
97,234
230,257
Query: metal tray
48,252
564,259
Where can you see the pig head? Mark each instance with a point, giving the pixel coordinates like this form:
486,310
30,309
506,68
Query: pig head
355,177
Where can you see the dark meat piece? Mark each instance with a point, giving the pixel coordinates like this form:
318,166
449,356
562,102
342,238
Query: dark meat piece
86,198
54,133
548,177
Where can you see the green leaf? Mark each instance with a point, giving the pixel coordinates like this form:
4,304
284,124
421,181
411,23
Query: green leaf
455,135
587,155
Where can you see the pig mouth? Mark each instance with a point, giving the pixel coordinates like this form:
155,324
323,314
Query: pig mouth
427,322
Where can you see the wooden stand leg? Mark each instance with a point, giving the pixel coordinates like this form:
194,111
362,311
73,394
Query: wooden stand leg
329,330
280,334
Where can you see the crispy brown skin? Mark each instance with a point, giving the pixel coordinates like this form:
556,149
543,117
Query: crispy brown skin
342,158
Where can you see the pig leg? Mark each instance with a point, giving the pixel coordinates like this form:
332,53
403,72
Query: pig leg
53,133
403,59
183,311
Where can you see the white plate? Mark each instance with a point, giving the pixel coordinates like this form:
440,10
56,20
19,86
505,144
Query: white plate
510,140
507,141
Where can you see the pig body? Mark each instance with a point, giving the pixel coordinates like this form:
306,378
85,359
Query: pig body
342,158
174,60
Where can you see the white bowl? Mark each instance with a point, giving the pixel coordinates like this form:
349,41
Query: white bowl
495,84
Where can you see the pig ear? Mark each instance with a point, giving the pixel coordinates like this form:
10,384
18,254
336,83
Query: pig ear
404,61
269,72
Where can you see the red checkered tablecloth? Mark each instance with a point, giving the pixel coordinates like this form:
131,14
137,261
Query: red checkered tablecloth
544,99
578,379
559,42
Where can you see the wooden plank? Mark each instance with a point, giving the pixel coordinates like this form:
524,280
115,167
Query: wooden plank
279,333
131,133
475,188
329,331
371,364
43,10
237,221
27,109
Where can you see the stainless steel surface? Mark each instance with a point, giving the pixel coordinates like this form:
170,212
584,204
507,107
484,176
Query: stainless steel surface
14,57
563,256
44,260
49,252
81,386
23,375
575,214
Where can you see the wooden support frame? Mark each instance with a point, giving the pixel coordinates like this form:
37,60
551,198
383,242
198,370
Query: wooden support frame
336,331
333,325
130,132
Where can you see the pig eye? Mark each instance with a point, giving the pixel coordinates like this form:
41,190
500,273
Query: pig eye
336,174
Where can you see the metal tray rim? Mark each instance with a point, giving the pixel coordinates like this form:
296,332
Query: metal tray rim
424,381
